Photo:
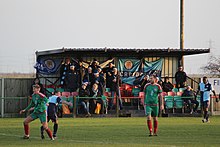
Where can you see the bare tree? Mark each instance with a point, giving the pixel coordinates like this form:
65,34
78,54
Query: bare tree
213,66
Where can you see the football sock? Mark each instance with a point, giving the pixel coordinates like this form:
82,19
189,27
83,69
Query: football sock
149,124
49,133
42,130
205,114
55,128
155,126
26,129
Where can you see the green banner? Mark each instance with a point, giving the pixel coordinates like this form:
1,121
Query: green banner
132,71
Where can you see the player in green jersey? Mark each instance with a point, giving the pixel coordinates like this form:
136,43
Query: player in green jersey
38,101
152,92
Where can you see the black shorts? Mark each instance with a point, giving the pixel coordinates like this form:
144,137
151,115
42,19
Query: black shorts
53,117
52,113
206,104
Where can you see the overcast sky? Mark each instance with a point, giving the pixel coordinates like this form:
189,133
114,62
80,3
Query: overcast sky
27,26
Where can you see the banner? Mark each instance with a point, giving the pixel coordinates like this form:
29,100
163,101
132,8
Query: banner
129,70
154,67
215,83
132,71
48,65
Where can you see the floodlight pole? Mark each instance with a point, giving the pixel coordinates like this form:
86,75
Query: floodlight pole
181,59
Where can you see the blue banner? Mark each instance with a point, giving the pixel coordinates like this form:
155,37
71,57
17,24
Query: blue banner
154,67
48,65
129,70
132,71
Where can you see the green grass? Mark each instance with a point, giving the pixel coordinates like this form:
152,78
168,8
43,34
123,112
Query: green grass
115,132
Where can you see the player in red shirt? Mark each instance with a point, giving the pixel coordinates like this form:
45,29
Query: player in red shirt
152,92
38,101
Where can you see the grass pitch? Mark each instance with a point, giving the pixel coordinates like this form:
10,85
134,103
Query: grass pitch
123,132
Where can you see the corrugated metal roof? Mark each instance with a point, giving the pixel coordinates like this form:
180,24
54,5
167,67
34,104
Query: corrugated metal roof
159,51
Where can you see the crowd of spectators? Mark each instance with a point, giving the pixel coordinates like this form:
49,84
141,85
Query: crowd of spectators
90,82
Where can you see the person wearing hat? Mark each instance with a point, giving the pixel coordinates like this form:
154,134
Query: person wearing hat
94,65
84,102
88,77
38,101
72,80
99,80
95,99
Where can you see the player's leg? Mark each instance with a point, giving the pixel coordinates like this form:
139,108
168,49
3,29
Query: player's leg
44,123
26,126
42,132
54,119
55,128
149,123
155,112
42,128
206,110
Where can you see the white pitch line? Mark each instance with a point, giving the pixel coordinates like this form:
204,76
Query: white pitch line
67,140
80,141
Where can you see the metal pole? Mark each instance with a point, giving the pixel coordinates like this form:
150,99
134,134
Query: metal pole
74,106
211,107
181,31
3,94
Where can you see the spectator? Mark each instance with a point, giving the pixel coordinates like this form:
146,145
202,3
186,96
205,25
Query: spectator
180,78
95,65
37,82
84,102
108,72
166,85
114,88
88,77
190,101
144,81
81,70
64,69
95,94
71,80
99,80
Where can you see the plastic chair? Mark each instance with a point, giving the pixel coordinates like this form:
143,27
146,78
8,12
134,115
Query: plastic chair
169,104
182,89
60,89
135,91
175,90
141,95
179,93
178,103
67,94
74,94
107,90
164,94
171,93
